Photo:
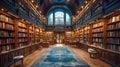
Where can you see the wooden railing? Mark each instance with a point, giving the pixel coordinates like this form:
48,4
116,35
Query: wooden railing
6,59
110,56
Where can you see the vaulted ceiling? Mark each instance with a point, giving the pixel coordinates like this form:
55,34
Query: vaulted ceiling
72,5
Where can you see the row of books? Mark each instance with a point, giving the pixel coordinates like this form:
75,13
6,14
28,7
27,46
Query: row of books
113,40
86,32
23,44
6,26
32,36
22,35
114,19
22,30
86,39
38,39
113,47
87,28
9,27
98,44
37,30
5,19
98,35
97,40
22,24
6,34
31,28
31,39
7,41
22,40
113,34
6,48
113,26
31,31
86,35
97,29
98,24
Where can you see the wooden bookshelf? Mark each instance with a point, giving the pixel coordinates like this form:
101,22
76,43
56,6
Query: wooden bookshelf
7,37
104,37
81,35
87,34
22,34
37,35
17,37
97,33
113,33
31,34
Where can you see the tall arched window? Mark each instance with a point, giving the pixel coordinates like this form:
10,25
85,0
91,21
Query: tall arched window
68,19
59,17
50,19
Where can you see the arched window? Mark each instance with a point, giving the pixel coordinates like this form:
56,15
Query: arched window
59,18
50,19
68,19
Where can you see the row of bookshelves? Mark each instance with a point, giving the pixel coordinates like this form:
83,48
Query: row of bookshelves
11,29
104,33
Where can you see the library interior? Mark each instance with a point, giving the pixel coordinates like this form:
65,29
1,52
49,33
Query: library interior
59,33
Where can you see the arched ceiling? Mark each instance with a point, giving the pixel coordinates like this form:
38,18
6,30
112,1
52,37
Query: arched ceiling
72,5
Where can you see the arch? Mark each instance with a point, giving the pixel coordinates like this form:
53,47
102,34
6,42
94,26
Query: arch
59,16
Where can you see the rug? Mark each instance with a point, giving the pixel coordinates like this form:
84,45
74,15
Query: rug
60,57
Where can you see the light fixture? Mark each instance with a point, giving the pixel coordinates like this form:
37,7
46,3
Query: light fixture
32,1
81,6
78,11
2,9
40,11
86,2
36,6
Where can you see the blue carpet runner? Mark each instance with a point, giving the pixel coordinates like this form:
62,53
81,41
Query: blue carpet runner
60,57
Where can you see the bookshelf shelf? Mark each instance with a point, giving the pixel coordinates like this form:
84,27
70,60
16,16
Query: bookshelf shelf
113,33
97,33
7,38
104,37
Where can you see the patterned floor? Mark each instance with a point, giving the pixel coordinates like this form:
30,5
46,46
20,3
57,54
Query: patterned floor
60,57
